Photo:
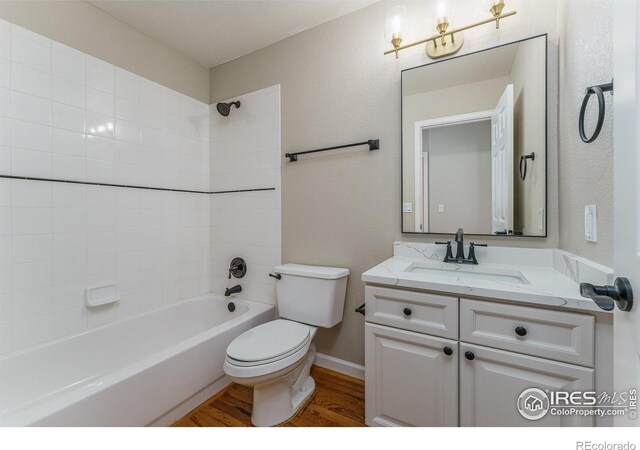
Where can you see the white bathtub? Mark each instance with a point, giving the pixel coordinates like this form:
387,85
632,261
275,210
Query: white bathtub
147,370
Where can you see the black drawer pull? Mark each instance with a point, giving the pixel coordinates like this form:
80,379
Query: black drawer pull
470,356
407,311
521,331
448,351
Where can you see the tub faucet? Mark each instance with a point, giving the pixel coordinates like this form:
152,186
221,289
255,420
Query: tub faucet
232,290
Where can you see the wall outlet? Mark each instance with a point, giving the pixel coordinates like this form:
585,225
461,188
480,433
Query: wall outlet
407,207
590,223
540,219
440,208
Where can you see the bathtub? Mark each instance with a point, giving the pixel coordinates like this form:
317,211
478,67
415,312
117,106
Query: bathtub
147,370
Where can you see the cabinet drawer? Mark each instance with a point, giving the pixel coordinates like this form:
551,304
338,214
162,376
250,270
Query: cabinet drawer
557,335
414,311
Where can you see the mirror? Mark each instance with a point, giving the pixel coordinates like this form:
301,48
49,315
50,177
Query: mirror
474,142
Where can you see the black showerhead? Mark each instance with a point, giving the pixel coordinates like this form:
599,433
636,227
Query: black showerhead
225,108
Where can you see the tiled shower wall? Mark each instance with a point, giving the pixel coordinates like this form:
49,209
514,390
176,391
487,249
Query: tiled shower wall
66,115
245,154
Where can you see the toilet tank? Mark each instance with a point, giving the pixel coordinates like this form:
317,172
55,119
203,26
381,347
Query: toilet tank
311,294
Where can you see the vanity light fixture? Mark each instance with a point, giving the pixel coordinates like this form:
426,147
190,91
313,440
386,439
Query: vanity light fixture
445,42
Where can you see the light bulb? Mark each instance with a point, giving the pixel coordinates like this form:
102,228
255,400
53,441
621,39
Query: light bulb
395,23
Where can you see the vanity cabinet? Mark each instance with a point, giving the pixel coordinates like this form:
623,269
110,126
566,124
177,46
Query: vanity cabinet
436,360
493,379
411,378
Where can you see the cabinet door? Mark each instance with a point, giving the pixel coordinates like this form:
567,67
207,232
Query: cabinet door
409,379
492,381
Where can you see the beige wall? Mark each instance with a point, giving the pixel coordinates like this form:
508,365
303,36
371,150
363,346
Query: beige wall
460,178
467,98
343,208
529,118
586,58
84,27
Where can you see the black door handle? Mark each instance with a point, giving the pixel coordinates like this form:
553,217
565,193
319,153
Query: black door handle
606,297
448,351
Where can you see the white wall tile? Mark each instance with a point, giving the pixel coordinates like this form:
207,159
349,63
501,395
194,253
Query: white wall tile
30,53
30,81
31,163
30,108
68,63
5,71
100,125
68,92
67,117
127,131
100,76
71,116
29,135
68,142
100,102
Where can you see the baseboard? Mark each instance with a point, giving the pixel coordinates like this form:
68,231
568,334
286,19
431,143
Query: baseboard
340,365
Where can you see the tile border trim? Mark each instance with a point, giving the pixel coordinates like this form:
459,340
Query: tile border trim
95,183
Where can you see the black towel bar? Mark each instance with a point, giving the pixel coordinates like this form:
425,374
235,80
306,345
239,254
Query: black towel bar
599,91
374,144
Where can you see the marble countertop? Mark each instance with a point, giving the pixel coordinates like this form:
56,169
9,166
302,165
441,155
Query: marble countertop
547,285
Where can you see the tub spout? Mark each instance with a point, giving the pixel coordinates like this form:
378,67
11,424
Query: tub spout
232,290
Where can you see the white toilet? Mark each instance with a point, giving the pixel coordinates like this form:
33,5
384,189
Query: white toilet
275,358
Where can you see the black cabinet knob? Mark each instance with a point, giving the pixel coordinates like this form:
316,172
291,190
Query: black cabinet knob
407,311
521,331
470,356
448,351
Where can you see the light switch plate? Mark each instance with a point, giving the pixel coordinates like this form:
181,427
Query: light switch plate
407,207
590,223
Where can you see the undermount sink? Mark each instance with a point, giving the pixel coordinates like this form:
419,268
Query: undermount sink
468,273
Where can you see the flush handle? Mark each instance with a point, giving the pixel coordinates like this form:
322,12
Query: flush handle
277,276
606,297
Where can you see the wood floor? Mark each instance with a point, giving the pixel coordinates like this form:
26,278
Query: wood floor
338,401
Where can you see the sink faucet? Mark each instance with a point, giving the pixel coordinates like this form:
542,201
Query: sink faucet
460,244
232,290
460,258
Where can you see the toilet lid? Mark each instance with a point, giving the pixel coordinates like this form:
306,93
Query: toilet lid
268,341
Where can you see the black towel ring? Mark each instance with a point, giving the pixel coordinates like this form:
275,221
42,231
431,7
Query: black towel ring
523,164
599,91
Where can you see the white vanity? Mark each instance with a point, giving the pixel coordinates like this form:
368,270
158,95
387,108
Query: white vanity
456,345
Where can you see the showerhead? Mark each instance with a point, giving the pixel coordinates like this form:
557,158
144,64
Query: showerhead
225,108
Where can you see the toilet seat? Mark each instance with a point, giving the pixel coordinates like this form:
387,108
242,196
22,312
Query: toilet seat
269,342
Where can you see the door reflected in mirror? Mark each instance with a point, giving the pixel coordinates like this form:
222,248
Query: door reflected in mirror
474,143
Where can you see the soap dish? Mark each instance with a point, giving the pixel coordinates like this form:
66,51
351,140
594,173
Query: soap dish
102,295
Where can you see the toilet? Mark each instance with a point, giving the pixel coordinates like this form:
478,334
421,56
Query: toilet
275,358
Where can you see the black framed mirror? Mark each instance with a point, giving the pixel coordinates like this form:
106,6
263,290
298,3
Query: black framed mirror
474,142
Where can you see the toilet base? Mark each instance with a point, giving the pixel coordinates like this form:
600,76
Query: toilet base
280,400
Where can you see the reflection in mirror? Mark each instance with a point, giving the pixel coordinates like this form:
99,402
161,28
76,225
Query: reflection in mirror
474,143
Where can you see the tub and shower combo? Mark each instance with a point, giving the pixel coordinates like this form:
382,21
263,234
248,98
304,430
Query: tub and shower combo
120,375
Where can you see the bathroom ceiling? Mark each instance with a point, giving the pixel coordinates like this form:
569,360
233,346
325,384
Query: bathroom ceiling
214,32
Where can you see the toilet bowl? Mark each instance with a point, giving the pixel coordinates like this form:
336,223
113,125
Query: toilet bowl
275,358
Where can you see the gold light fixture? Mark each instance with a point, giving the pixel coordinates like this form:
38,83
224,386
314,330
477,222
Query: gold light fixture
445,42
